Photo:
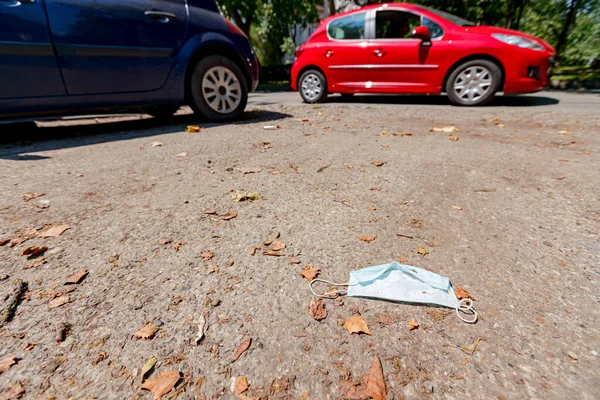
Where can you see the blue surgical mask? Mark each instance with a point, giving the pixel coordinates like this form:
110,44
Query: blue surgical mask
403,283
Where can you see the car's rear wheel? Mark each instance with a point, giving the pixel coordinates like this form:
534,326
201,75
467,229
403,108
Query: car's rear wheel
473,83
218,89
313,87
161,112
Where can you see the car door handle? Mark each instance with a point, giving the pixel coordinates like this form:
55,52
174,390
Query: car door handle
161,16
379,53
329,53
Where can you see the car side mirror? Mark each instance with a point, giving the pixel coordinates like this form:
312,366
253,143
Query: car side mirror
422,32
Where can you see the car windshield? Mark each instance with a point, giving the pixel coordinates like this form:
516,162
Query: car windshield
450,17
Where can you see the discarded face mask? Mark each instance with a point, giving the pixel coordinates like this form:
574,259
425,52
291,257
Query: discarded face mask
402,283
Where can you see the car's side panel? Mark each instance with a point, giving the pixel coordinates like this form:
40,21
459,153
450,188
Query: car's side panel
115,46
28,66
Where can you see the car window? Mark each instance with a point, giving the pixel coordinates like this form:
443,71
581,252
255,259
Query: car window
347,28
435,29
391,24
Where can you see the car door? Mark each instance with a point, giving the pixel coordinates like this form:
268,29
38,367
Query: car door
113,46
400,63
345,54
27,63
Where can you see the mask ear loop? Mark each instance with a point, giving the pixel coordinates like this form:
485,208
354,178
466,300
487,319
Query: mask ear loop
328,295
466,306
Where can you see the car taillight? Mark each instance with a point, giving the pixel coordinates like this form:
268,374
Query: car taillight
233,28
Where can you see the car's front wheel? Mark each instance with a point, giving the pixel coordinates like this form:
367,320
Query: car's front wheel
218,89
313,87
473,83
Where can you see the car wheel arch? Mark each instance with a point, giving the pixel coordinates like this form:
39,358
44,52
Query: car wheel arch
214,49
307,68
463,60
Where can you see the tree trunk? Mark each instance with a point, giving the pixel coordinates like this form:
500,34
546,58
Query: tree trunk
331,4
569,21
243,25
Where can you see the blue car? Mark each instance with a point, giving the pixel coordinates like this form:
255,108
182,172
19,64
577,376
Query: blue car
75,56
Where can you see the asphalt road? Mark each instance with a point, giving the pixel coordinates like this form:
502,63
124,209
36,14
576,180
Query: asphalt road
547,100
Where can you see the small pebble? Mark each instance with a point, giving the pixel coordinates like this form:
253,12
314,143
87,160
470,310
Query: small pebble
158,322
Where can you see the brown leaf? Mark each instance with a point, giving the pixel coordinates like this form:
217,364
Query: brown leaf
192,129
357,324
453,138
34,251
59,301
413,324
76,277
422,251
278,245
156,144
54,231
177,245
366,239
310,272
378,163
229,216
317,310
240,385
8,362
569,310
15,391
273,237
462,294
182,155
207,255
470,349
162,384
147,331
294,260
38,262
273,253
353,390
211,212
31,195
242,348
376,382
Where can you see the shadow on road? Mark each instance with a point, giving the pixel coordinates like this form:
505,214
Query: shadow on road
499,101
18,139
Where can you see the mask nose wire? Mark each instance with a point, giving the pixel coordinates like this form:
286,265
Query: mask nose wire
328,295
466,306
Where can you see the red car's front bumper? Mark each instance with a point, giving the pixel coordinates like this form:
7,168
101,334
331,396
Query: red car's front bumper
528,71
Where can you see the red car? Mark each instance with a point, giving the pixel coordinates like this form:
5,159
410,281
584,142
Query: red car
407,48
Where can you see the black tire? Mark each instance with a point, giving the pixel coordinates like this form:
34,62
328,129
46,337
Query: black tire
319,81
162,111
220,111
473,98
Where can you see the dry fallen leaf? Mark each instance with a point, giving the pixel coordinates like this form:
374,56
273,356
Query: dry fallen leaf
163,384
462,294
177,245
278,245
229,216
242,348
357,324
384,319
15,391
422,251
238,196
445,129
156,144
54,231
59,301
569,310
413,324
377,163
366,239
453,138
273,253
31,195
353,390
8,362
376,382
182,155
192,129
457,207
240,385
76,277
310,272
317,310
294,260
38,262
207,255
147,331
573,356
34,251
470,349
148,367
201,329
